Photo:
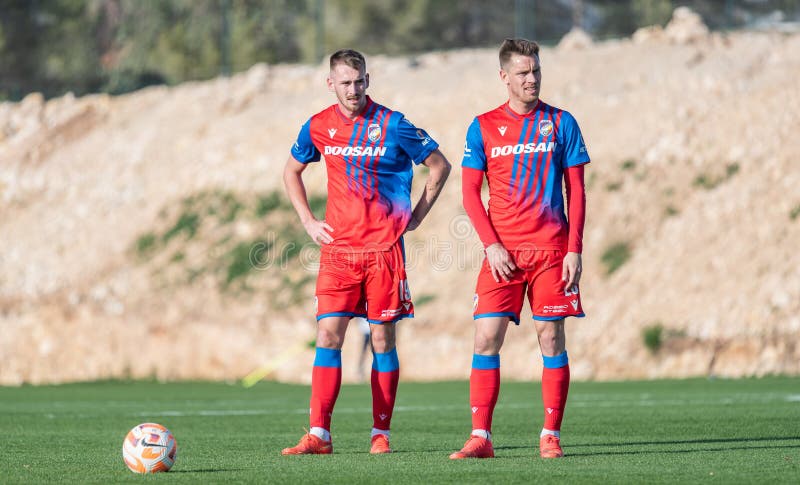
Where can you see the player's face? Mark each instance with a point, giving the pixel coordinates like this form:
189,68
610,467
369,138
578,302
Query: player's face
523,77
350,86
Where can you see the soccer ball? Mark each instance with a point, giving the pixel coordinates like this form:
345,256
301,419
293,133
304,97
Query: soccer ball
149,448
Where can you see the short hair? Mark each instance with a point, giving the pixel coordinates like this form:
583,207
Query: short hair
523,47
350,58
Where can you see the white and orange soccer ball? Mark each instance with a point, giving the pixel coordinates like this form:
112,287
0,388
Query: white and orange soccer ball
149,448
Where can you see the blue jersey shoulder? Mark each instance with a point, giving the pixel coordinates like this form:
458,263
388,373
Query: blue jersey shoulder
474,155
413,140
303,149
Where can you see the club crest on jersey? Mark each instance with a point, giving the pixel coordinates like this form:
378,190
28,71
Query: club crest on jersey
374,132
545,127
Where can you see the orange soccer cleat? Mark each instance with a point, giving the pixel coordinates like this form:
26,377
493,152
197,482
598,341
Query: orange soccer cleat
310,445
475,447
380,445
550,447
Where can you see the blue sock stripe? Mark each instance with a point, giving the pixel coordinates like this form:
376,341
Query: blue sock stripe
557,362
387,362
485,362
328,358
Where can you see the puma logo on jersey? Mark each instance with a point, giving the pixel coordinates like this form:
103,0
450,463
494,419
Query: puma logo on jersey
522,148
502,130
331,132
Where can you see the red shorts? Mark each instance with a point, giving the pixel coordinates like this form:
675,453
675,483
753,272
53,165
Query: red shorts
540,274
372,285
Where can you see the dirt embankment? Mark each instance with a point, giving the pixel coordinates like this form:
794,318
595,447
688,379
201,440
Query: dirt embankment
125,220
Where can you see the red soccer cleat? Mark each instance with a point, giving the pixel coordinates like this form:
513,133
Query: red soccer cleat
475,447
550,447
380,445
310,445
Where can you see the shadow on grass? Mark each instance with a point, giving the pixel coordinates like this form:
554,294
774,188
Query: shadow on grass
682,442
736,444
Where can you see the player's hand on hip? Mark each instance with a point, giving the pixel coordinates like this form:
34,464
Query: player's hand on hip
571,272
319,231
500,262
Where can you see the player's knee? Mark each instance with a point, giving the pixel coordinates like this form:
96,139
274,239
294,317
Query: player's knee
488,344
551,341
383,338
329,340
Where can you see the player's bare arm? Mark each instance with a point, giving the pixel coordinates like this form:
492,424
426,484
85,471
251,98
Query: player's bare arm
439,170
319,231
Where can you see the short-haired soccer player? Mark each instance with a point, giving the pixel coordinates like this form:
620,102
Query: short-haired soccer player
526,149
369,153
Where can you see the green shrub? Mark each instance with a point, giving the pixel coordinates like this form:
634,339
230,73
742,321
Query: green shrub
145,244
238,262
267,203
705,181
231,208
670,211
188,224
615,256
795,212
652,336
708,182
423,299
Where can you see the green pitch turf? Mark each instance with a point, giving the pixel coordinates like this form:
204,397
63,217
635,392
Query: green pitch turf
691,431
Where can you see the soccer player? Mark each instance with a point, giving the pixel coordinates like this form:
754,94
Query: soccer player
368,150
525,148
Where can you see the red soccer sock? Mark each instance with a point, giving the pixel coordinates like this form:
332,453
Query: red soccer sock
555,386
484,388
385,376
326,380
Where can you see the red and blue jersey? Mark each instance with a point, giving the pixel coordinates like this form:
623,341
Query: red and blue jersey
524,157
369,163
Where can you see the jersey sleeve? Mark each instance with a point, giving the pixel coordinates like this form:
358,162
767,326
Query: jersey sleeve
471,183
474,154
575,152
303,149
414,141
576,206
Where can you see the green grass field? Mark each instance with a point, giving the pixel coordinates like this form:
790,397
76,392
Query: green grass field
721,431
